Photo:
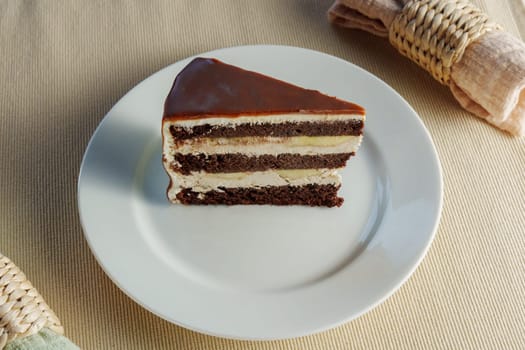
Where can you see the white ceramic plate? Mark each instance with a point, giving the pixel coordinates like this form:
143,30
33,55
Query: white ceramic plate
262,272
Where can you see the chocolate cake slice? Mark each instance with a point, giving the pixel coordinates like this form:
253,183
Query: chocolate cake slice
232,136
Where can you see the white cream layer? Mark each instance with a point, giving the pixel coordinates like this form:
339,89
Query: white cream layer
263,119
204,182
254,146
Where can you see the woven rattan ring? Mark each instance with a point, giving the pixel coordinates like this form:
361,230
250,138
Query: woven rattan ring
435,33
23,311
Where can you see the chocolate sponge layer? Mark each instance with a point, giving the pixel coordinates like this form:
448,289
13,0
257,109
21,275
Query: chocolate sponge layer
351,127
237,162
312,195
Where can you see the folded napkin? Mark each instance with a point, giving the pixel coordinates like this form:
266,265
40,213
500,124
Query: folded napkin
483,65
26,321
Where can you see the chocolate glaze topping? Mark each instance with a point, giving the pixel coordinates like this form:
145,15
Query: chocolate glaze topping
208,87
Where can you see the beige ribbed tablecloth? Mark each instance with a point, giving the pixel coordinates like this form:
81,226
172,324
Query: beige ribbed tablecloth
63,64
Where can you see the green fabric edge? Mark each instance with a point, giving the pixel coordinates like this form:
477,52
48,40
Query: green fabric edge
45,339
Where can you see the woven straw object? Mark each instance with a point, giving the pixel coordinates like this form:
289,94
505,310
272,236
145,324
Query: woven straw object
435,33
454,41
23,311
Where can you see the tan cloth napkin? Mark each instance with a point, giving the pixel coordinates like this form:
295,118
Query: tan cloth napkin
488,80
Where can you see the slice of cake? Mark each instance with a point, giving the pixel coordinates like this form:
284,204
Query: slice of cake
231,136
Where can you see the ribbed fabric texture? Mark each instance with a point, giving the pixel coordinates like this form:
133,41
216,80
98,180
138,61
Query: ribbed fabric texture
63,64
